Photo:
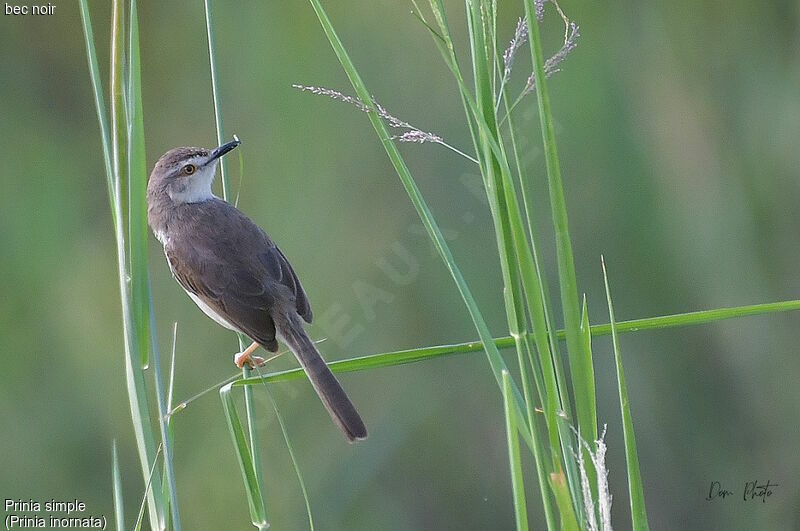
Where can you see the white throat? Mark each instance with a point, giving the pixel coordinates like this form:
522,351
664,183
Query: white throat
196,187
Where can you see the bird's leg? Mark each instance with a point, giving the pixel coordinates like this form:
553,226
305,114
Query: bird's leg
246,356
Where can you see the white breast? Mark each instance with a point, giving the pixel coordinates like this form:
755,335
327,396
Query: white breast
209,311
162,237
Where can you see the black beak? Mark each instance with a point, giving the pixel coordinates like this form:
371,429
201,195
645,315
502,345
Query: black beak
223,149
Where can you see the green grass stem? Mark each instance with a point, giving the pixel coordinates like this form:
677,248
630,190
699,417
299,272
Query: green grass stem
137,184
635,488
402,357
255,497
514,457
581,368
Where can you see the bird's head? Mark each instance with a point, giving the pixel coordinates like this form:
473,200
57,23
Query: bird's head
185,174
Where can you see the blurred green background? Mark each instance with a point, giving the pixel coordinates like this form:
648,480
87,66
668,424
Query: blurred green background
678,126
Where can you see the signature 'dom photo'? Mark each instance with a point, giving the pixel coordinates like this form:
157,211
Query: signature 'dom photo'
400,265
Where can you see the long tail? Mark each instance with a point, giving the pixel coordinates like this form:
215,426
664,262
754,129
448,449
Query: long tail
290,330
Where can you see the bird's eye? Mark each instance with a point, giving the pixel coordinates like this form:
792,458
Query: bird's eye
189,169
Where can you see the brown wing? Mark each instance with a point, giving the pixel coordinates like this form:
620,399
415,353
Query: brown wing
281,270
238,298
234,267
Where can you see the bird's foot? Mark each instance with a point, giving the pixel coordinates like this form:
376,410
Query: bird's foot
242,357
246,356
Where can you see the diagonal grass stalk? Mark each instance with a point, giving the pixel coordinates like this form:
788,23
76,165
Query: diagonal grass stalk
495,360
402,357
148,487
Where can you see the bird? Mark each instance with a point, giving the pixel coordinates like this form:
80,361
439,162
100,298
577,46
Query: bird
235,273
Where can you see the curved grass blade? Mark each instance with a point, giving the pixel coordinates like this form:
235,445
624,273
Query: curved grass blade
638,512
255,498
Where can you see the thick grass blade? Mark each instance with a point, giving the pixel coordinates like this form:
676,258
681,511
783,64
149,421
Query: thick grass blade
137,391
116,488
564,501
505,209
434,232
137,185
635,489
255,499
250,411
581,368
140,295
514,457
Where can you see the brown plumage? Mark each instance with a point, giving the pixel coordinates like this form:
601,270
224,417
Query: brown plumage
234,271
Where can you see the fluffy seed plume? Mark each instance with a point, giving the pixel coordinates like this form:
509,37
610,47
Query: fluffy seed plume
418,137
598,458
519,39
414,134
551,65
335,94
381,111
538,8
